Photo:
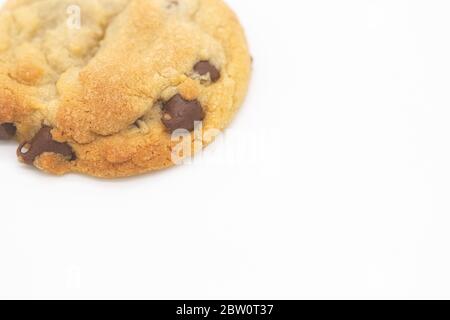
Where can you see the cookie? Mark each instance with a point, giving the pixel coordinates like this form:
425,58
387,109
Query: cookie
110,88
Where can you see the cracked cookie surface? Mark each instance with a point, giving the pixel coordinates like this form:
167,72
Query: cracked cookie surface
102,97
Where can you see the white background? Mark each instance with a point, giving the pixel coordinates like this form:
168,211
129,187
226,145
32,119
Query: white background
333,182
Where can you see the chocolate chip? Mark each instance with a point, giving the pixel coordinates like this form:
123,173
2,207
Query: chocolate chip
205,67
41,143
7,131
181,114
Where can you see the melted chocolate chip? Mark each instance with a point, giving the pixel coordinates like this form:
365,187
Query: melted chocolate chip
41,143
7,131
179,113
205,67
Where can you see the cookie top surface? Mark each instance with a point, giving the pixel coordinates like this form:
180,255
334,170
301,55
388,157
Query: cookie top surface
113,79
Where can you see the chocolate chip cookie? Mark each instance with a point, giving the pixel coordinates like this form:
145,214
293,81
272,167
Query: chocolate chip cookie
108,87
